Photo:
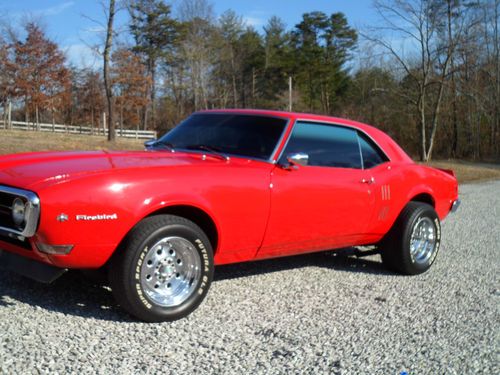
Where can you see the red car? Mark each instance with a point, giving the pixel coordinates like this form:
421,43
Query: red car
222,187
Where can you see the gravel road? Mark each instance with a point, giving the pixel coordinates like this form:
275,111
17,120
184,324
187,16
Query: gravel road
311,314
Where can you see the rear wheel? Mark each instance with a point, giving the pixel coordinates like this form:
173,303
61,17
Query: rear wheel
412,244
163,270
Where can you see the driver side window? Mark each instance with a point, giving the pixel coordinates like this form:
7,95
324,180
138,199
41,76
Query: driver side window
326,145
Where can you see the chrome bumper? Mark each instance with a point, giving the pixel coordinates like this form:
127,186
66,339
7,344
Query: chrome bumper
455,205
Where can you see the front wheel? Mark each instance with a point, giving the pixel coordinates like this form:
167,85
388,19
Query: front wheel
413,242
163,270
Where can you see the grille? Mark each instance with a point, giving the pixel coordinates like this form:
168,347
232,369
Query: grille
32,211
6,200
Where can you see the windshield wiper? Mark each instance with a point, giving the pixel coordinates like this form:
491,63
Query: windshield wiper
213,150
165,145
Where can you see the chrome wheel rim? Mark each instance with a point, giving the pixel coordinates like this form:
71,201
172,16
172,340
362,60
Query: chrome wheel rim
423,240
170,271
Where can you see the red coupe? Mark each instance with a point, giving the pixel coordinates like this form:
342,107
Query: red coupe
222,187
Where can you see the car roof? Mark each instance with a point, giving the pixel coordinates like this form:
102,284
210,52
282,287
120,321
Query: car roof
386,143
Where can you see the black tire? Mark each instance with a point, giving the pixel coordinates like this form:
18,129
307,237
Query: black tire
395,247
128,284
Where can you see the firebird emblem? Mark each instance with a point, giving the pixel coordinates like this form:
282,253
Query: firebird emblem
62,218
96,217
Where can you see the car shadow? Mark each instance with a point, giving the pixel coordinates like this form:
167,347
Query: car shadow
73,294
338,260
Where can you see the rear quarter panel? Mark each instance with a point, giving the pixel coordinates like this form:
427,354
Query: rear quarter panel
406,181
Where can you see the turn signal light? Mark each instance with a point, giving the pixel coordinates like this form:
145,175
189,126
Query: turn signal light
54,249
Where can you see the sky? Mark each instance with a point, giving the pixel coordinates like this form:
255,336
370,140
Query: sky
71,23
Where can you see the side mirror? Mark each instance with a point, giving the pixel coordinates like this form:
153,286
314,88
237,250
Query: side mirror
150,143
298,159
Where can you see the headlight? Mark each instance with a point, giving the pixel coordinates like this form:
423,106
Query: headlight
18,212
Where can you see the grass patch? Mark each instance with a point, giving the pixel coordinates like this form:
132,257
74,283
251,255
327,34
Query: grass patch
14,141
469,171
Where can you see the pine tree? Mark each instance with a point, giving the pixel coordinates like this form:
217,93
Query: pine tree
155,33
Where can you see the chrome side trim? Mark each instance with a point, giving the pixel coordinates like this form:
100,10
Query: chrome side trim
32,211
455,205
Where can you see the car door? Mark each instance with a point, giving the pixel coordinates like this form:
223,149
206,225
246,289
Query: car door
324,203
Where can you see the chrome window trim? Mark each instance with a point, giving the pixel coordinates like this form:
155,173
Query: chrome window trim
277,159
360,152
377,149
32,214
327,123
272,159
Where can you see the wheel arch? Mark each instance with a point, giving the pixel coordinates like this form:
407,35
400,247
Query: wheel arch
424,198
189,212
421,195
197,216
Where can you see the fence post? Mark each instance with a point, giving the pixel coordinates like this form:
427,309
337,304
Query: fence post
104,123
9,115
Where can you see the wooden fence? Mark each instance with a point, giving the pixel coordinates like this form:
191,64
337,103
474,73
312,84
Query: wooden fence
77,129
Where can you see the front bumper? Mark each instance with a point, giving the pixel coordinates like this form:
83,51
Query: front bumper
455,205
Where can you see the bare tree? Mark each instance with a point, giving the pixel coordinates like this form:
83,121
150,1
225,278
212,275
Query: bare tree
106,58
418,22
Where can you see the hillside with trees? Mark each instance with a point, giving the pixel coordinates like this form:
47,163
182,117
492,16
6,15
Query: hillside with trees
428,73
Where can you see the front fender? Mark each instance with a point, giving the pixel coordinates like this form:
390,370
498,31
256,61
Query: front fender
100,212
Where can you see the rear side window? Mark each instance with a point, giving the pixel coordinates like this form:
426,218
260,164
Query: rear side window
326,145
372,156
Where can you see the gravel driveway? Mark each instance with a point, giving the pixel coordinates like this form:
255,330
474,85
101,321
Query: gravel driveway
312,314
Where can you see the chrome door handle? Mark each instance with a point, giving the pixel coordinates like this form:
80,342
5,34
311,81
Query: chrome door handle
369,181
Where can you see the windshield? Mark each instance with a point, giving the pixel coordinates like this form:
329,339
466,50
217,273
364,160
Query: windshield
226,133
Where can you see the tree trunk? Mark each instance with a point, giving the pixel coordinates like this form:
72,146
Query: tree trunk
496,123
235,91
311,91
253,87
435,119
454,116
92,121
107,83
153,96
137,126
9,116
423,135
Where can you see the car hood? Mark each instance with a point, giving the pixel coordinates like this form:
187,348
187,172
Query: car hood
34,170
